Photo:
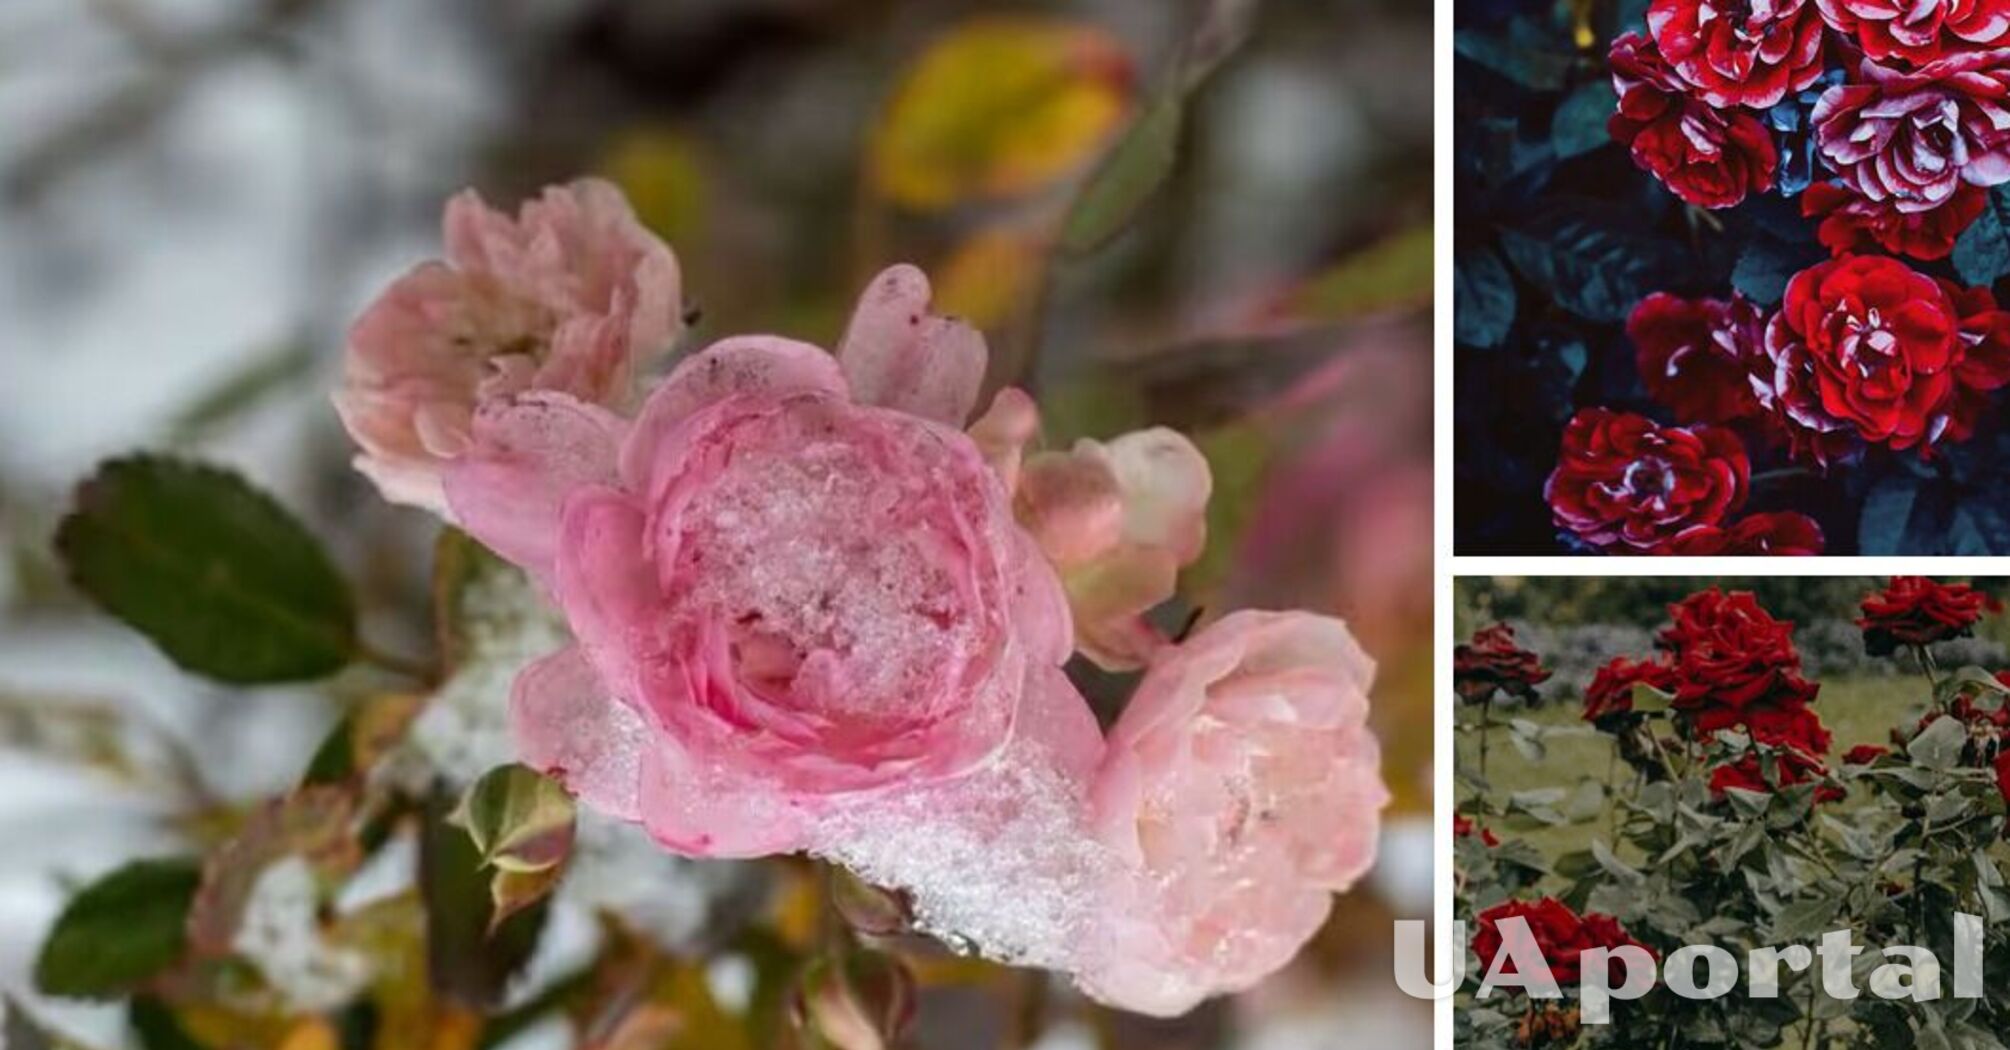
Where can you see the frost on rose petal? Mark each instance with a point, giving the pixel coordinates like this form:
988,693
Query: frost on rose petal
281,937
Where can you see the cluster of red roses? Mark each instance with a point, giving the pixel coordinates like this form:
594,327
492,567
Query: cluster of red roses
1491,663
1914,611
1560,934
1726,663
1913,126
1864,350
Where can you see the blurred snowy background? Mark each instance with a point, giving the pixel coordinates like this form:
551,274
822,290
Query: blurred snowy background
195,196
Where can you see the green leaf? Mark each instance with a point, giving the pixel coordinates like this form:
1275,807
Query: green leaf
1136,167
470,958
1982,252
219,576
1887,512
1483,297
1767,264
158,1028
1648,700
1802,919
1390,275
1579,124
1541,66
121,930
520,819
1938,746
1591,262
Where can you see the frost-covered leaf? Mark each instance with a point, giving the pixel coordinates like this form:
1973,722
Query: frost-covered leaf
216,573
521,820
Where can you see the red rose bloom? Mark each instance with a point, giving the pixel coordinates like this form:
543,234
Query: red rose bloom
1918,31
1729,653
1558,933
1462,827
1864,754
1851,222
1611,689
1740,53
1748,774
1708,157
1783,534
1985,357
1798,741
1914,610
2002,764
1865,341
1624,482
1493,661
1912,138
1697,356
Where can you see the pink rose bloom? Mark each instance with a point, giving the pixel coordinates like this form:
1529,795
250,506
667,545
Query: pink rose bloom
1911,138
795,582
1119,521
573,295
1243,787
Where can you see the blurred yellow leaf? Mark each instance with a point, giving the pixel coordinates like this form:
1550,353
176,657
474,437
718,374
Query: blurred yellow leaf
314,1034
999,107
664,176
988,275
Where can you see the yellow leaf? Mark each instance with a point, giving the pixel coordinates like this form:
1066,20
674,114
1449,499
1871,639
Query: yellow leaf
663,175
988,275
313,1034
999,107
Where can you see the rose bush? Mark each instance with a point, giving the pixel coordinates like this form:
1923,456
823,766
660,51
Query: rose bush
1723,819
1658,269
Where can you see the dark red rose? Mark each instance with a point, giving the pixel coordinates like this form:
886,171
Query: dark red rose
1697,356
1463,827
1914,610
1864,754
1748,774
1919,31
1625,483
1729,652
2002,765
1911,138
1985,358
1865,342
1611,689
1851,222
1492,661
1780,533
1797,739
1708,157
1558,933
1738,53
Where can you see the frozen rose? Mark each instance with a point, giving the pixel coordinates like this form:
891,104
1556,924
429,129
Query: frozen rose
1744,53
787,600
1627,484
1919,31
1243,788
572,295
1912,137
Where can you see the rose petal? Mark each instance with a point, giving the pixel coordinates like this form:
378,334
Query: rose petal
743,365
897,355
1003,432
567,725
698,815
1165,483
1072,505
529,453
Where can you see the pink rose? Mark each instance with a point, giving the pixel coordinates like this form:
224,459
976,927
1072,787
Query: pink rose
1119,521
790,597
573,295
1243,788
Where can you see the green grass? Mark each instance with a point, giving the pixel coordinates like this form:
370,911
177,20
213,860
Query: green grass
1857,711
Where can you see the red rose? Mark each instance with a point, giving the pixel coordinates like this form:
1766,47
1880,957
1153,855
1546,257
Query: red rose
1748,774
1558,934
1918,31
1864,754
1781,533
1740,54
1912,138
1730,653
1462,827
1865,341
1697,356
1851,222
1493,661
1708,157
1611,689
2003,775
1624,482
1914,610
1985,357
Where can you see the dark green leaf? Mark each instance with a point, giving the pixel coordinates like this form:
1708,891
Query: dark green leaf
1802,919
1767,264
1886,513
1938,746
1520,57
1482,297
1982,253
157,1027
1589,263
222,578
465,961
121,930
1579,124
